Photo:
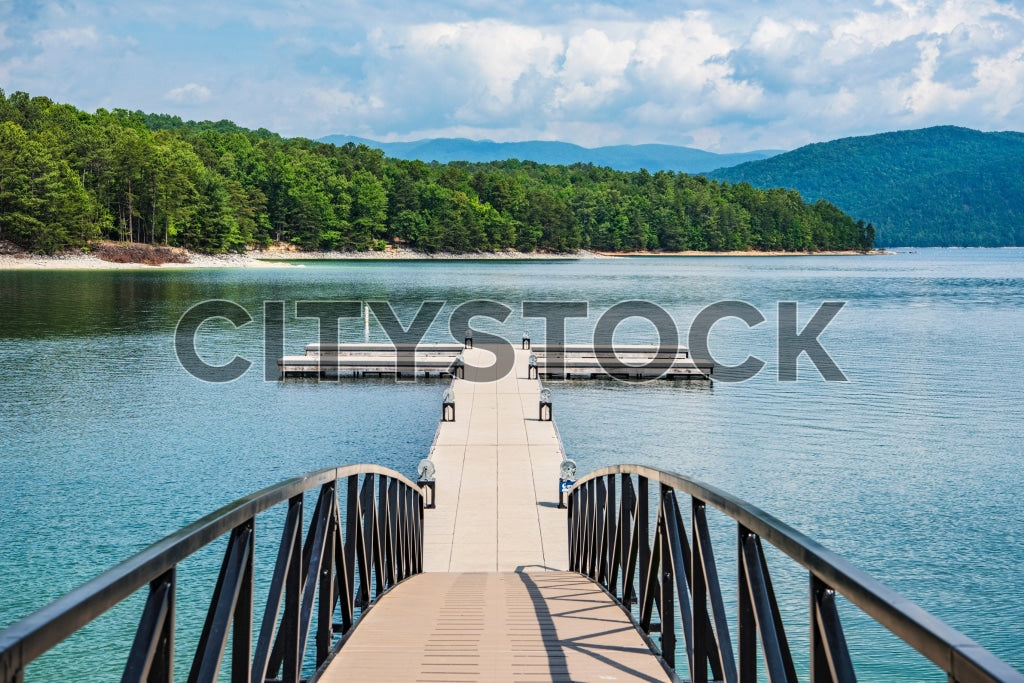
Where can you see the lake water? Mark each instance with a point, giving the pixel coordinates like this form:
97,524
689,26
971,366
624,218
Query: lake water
911,468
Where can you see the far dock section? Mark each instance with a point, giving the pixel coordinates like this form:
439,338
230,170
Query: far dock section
330,361
634,361
567,361
497,469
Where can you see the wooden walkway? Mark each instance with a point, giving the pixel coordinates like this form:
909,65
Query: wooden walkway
542,626
496,602
497,478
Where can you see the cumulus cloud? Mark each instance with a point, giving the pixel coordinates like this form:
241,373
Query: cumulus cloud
593,69
190,93
71,37
596,73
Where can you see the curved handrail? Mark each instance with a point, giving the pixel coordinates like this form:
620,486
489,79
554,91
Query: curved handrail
944,646
27,639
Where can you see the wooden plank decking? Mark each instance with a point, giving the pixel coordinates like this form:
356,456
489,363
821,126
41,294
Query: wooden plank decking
497,478
508,626
495,602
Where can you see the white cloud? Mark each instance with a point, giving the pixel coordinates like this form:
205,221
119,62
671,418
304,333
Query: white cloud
65,38
887,24
1000,82
682,53
593,69
587,73
190,93
492,56
774,38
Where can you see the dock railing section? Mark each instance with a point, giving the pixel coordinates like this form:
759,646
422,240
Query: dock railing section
350,557
654,573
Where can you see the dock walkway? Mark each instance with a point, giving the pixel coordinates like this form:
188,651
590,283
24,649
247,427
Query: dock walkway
495,601
497,477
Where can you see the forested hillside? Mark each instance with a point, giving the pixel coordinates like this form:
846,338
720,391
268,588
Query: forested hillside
68,177
943,186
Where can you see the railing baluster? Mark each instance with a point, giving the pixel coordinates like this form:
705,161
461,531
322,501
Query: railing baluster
678,553
705,572
318,529
364,545
611,534
746,622
780,629
398,498
419,534
667,580
325,593
393,539
214,637
379,526
406,531
571,525
627,508
642,534
615,547
151,658
585,531
288,639
341,585
601,540
241,637
289,543
764,613
352,543
590,529
699,593
408,514
650,593
830,658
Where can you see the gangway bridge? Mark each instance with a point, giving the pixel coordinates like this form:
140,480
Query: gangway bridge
474,572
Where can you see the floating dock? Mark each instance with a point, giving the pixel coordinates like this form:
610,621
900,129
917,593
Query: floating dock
566,361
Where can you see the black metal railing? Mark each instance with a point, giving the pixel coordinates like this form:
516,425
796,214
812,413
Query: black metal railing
611,541
344,565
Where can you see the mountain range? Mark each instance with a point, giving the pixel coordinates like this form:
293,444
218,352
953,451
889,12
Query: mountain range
620,157
943,186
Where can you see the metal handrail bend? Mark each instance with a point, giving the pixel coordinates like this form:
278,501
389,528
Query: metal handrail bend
610,541
382,544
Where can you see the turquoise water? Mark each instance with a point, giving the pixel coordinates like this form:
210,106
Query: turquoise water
911,469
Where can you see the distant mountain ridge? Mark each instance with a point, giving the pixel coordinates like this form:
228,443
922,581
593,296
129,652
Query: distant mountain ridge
943,186
620,157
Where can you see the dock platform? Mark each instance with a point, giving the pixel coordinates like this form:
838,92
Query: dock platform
566,361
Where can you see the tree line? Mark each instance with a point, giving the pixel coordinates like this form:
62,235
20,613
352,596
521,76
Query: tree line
942,186
68,177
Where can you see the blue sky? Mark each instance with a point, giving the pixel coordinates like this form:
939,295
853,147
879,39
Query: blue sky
724,76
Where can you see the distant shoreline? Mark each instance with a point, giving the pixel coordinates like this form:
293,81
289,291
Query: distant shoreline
288,259
873,252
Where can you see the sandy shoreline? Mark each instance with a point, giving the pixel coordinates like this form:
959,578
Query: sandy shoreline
288,259
255,259
874,252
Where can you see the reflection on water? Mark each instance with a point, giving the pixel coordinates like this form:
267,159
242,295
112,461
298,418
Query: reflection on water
910,469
